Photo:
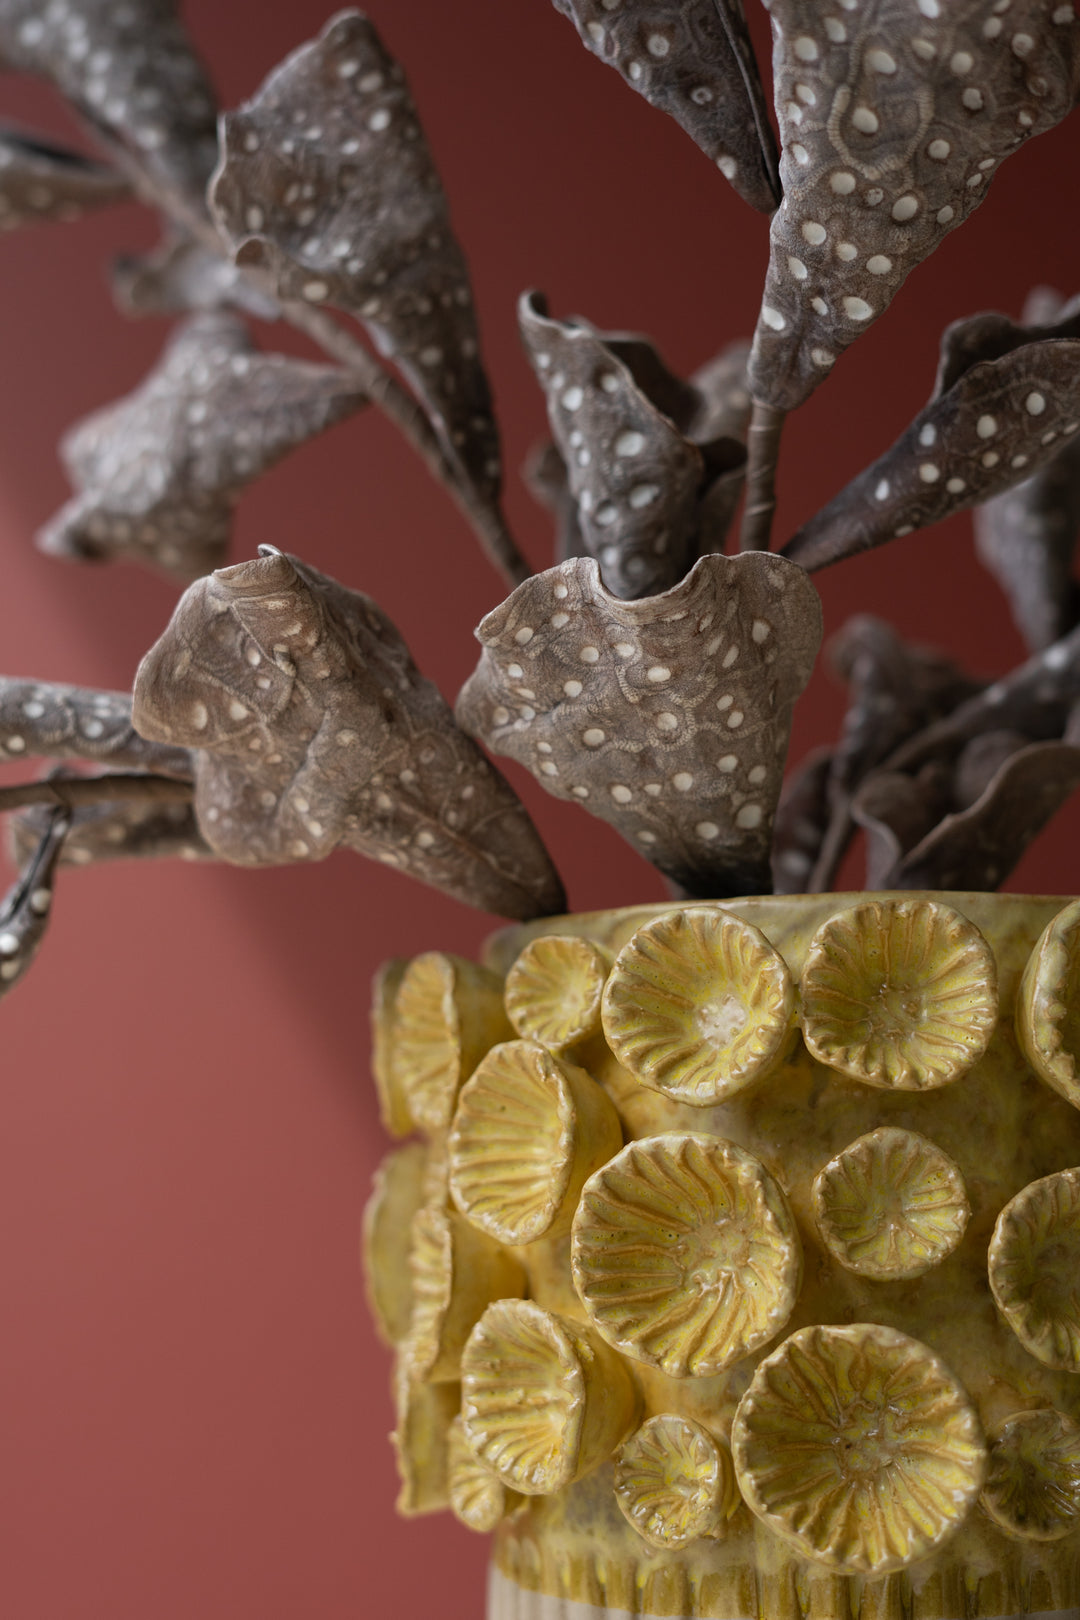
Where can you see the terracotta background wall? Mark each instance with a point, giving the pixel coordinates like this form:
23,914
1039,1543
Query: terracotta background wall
193,1408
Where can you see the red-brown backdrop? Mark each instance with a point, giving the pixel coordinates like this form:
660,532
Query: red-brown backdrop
193,1407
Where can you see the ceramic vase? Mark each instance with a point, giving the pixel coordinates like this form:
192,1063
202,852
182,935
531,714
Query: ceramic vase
734,1270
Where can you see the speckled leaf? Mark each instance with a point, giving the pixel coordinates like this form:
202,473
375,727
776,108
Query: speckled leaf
41,720
645,493
895,689
24,911
978,847
1027,536
692,59
895,811
1000,422
1034,700
893,118
132,72
180,275
801,818
159,473
40,181
328,184
991,335
114,832
667,717
313,729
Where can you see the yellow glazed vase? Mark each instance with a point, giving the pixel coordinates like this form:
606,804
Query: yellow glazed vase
735,1271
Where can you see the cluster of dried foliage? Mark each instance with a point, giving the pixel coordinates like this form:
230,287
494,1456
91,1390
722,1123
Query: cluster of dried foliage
647,675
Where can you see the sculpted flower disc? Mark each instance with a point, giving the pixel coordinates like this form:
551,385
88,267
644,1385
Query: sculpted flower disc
685,1253
1034,1264
674,1482
455,1271
698,1005
858,1445
553,990
1048,1010
543,1401
1033,1481
529,1130
890,1205
447,1013
478,1498
900,994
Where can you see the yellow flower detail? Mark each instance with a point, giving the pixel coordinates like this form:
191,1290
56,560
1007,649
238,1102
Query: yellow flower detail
1048,1008
393,1107
397,1193
685,1253
456,1271
899,993
698,1005
529,1131
447,1014
1034,1265
1033,1481
543,1401
891,1204
858,1445
674,1482
478,1498
420,1440
554,988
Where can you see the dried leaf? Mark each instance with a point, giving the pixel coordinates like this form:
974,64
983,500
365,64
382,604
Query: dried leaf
712,410
546,475
24,911
180,275
667,717
40,181
895,690
895,812
159,472
892,122
724,408
327,183
131,70
39,719
692,59
114,832
1035,700
313,728
978,847
645,495
999,422
1027,536
801,819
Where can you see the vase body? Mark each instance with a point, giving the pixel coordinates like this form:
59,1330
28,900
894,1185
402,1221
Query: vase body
839,1126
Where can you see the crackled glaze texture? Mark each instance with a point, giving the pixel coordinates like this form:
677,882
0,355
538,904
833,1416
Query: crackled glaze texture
768,1236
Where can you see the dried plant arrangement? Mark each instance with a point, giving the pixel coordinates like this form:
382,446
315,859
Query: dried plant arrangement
586,1122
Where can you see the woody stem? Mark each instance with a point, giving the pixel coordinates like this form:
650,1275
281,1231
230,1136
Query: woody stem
72,792
762,451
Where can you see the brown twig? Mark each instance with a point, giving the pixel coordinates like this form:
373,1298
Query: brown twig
71,792
381,387
762,449
833,849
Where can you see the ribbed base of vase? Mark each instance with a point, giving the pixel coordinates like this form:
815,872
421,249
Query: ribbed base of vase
508,1601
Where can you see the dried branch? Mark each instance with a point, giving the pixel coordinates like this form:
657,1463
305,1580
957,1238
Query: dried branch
135,829
312,728
667,717
692,59
69,793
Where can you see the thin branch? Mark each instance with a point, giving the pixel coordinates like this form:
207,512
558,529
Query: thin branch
71,792
834,847
381,387
763,449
